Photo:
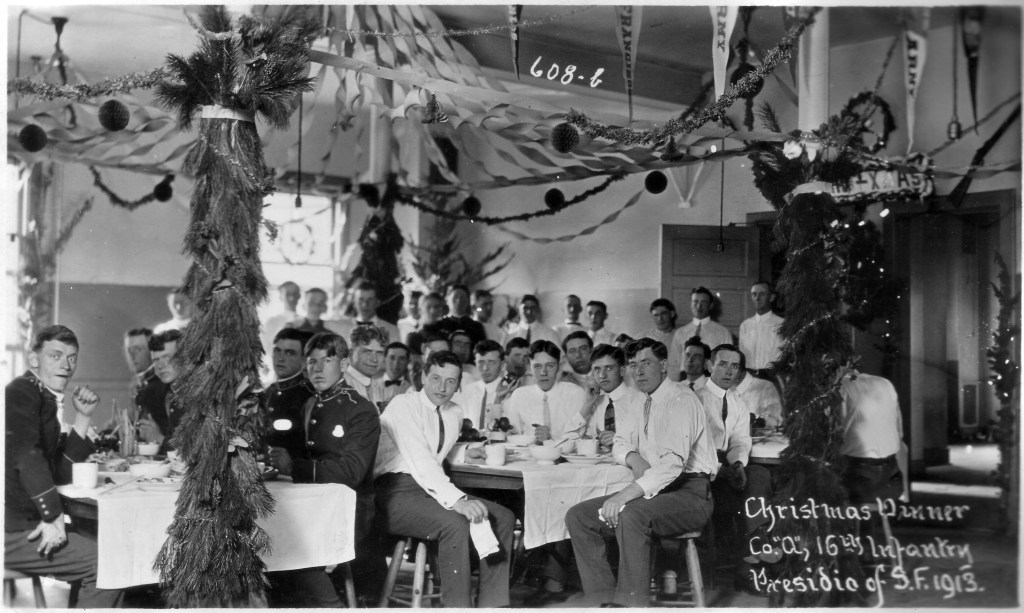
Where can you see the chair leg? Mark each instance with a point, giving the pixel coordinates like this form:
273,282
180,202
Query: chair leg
9,591
392,576
350,585
693,569
418,575
76,586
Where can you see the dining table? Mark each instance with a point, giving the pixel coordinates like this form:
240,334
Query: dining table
765,450
549,490
312,525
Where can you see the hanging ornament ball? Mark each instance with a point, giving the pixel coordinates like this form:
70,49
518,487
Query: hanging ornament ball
741,71
113,115
163,191
565,137
32,138
656,182
471,206
554,199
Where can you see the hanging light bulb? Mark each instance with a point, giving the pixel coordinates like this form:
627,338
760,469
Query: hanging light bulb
954,130
884,213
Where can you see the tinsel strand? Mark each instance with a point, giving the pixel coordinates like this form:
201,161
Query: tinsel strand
114,198
85,91
778,54
457,33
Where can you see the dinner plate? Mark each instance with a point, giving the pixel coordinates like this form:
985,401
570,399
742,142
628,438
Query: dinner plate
160,484
583,459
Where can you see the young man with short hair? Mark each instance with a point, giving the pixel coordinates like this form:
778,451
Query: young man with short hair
396,371
314,304
696,357
483,310
597,314
288,394
159,414
759,334
140,363
484,397
663,318
710,332
366,303
577,347
573,308
367,361
529,325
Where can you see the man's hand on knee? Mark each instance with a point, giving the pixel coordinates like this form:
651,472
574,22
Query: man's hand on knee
473,510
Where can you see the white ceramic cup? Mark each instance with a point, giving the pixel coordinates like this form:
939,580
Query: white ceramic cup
587,446
495,455
149,449
84,474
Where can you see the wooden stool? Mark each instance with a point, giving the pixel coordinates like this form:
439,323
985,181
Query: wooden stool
422,587
693,593
10,576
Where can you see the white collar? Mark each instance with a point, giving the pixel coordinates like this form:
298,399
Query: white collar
712,387
759,318
617,393
701,321
298,374
570,322
745,384
358,376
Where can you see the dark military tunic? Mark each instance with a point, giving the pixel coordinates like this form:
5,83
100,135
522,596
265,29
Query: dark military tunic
286,402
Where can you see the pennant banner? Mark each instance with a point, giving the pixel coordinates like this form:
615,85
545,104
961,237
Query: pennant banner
970,33
586,232
629,39
515,11
723,19
915,51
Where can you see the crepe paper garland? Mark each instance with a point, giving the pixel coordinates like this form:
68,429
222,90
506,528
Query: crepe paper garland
116,200
471,206
554,199
778,54
585,232
565,137
162,191
113,115
655,182
33,138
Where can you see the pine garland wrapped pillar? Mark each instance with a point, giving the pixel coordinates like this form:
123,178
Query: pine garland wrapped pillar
212,554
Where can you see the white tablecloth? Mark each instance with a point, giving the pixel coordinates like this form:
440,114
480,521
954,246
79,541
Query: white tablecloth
550,491
312,525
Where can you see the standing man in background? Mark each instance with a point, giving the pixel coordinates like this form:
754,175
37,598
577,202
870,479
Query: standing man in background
710,332
181,308
529,325
573,308
483,310
759,335
411,322
663,316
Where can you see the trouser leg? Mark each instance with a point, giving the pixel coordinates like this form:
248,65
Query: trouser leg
494,569
587,534
75,561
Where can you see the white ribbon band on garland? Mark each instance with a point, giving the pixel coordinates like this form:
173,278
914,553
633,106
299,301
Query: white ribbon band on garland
809,188
219,112
585,232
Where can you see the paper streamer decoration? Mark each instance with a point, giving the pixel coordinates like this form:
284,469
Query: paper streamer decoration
628,33
723,19
971,36
915,51
514,12
585,232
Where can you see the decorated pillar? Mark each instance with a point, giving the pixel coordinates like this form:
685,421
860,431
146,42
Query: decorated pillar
813,73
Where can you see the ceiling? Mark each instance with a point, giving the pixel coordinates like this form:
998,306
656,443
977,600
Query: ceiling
107,41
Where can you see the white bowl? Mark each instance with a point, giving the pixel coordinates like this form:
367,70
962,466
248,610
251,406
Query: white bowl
521,439
150,469
149,448
545,453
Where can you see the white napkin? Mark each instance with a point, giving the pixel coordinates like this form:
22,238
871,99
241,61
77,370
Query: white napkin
483,538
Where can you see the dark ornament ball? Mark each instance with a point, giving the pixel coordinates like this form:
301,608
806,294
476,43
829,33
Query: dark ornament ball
113,115
656,182
32,138
741,71
554,199
163,190
565,137
471,206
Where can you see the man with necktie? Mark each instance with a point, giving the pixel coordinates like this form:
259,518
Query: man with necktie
396,371
529,325
710,332
366,302
416,498
662,437
608,393
484,398
696,356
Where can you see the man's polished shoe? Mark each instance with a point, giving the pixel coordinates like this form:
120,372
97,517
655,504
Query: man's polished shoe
543,596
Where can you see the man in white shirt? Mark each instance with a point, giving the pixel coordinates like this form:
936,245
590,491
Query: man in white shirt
759,335
873,444
411,322
711,333
696,356
662,437
545,408
729,425
366,303
483,310
529,326
289,295
431,309
663,315
577,347
517,363
485,397
418,499
597,314
367,343
314,303
573,308
181,308
608,371
761,398
396,371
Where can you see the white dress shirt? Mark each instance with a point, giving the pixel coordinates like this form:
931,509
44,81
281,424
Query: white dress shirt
871,422
712,334
571,376
733,435
672,438
390,391
526,407
658,335
473,398
406,326
603,336
622,397
409,434
538,332
761,398
759,340
566,328
371,388
274,324
698,384
493,332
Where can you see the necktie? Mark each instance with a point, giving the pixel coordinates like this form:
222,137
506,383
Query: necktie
697,332
725,409
647,413
440,430
528,332
364,323
547,415
483,412
390,382
609,415
691,384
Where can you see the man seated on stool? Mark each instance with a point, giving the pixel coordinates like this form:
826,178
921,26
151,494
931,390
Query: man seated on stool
159,414
662,437
416,498
729,425
396,371
367,358
287,396
342,434
38,457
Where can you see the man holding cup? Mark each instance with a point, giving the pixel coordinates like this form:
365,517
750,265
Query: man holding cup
606,392
38,457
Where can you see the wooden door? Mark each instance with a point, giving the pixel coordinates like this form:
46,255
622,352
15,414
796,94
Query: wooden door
690,258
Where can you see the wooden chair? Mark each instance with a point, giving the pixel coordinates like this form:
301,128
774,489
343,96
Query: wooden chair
422,588
10,576
669,595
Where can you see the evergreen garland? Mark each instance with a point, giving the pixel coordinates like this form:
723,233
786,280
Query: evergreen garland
212,554
1005,379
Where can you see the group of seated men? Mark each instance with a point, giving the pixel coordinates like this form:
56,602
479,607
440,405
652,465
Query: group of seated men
355,411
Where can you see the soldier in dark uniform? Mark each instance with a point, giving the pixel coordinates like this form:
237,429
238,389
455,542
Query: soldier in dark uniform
343,429
287,396
158,412
38,457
